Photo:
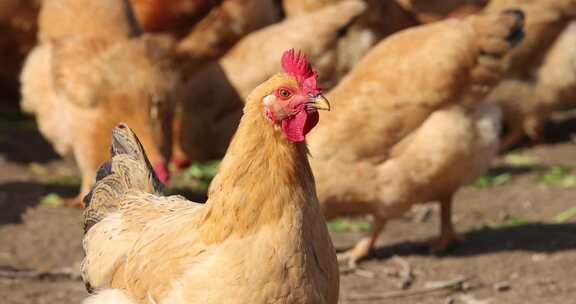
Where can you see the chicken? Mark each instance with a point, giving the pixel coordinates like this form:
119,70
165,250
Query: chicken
415,99
224,27
173,16
17,38
244,245
525,96
434,10
82,79
528,103
545,20
211,38
213,106
528,94
379,20
525,102
60,19
556,75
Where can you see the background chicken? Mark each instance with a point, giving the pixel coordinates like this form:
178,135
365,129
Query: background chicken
213,105
380,19
423,133
139,243
17,38
529,103
171,16
224,27
528,96
211,38
526,102
435,10
92,69
556,76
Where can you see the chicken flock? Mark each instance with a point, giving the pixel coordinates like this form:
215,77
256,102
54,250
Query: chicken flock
419,93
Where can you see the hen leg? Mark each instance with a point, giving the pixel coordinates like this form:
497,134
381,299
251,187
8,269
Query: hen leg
363,248
533,127
511,139
179,158
87,182
447,233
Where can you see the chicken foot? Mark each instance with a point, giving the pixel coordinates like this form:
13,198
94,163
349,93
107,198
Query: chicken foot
75,202
179,158
448,235
363,248
514,136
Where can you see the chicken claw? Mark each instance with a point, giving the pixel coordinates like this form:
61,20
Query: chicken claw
362,249
75,202
447,234
444,242
351,256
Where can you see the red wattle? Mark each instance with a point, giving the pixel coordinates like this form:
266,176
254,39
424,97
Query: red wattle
296,127
311,122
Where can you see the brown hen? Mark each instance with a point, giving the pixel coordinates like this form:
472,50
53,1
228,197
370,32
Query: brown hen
260,237
92,69
407,125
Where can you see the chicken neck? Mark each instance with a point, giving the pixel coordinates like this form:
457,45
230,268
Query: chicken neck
262,178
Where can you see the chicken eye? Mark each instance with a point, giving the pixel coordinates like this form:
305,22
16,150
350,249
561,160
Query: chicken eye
284,93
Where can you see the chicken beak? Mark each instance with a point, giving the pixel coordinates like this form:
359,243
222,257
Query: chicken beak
320,103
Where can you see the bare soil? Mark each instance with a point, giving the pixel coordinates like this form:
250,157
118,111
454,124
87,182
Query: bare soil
511,250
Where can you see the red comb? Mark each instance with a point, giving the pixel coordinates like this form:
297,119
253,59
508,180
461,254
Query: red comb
295,64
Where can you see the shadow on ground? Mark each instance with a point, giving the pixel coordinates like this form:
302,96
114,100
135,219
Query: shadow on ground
561,128
20,140
534,237
17,197
515,170
26,145
193,195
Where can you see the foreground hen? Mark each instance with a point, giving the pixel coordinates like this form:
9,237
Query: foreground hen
260,237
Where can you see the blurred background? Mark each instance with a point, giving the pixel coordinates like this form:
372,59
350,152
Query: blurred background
517,221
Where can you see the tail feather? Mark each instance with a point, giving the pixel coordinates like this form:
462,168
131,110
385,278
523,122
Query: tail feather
129,170
135,27
497,35
516,33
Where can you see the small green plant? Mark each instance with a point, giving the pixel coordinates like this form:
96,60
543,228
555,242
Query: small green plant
557,176
564,216
520,160
52,200
492,180
16,121
202,170
509,221
349,225
512,221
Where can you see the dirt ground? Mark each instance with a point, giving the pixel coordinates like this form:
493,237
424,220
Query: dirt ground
512,251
